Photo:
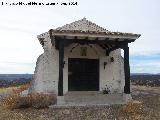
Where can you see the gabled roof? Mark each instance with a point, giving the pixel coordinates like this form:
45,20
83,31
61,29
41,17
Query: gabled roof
86,29
82,25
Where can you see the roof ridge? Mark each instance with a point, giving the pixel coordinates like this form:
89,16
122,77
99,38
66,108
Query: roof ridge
58,28
96,25
88,25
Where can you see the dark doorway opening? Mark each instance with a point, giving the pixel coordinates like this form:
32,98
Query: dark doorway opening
83,74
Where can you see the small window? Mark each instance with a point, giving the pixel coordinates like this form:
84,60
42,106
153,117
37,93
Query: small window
83,51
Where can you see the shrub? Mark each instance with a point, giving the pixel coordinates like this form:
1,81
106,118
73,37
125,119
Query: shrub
16,101
35,100
41,100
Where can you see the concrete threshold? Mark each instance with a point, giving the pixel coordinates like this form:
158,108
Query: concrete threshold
88,99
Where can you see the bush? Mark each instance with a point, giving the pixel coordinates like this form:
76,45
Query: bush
16,101
35,100
41,100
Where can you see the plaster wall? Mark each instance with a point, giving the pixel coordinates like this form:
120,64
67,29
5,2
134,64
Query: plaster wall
46,72
47,67
112,75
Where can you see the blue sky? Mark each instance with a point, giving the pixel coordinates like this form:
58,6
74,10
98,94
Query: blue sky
20,25
145,64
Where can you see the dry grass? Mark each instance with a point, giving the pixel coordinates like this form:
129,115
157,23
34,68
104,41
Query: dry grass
35,100
14,90
150,104
20,88
40,100
8,90
16,101
6,114
133,108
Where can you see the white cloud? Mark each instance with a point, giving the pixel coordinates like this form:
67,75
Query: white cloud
16,68
20,25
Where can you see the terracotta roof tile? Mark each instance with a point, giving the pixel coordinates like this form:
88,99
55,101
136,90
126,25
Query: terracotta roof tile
87,27
94,32
82,25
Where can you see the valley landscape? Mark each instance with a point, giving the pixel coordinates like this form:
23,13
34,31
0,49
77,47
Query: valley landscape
145,91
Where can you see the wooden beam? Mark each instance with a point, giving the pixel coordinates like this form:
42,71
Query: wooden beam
75,37
56,44
107,53
86,38
126,69
107,39
116,39
61,65
74,47
96,38
102,46
112,49
96,41
51,37
108,46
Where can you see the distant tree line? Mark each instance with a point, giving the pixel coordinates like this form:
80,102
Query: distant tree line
147,80
15,82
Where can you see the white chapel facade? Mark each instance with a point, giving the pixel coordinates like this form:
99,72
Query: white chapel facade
82,56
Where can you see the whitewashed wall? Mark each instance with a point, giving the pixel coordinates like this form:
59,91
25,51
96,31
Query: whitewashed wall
46,71
112,75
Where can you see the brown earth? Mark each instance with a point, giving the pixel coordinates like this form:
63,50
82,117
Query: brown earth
148,96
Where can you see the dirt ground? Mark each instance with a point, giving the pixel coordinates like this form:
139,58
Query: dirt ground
149,96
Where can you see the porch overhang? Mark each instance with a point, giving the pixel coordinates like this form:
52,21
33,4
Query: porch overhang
107,40
90,34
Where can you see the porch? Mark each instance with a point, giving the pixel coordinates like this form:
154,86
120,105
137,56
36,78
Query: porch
106,41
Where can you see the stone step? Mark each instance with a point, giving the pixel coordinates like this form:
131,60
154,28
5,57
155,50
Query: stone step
77,93
92,97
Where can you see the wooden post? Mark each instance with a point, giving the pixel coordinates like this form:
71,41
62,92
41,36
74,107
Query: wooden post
61,63
126,69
